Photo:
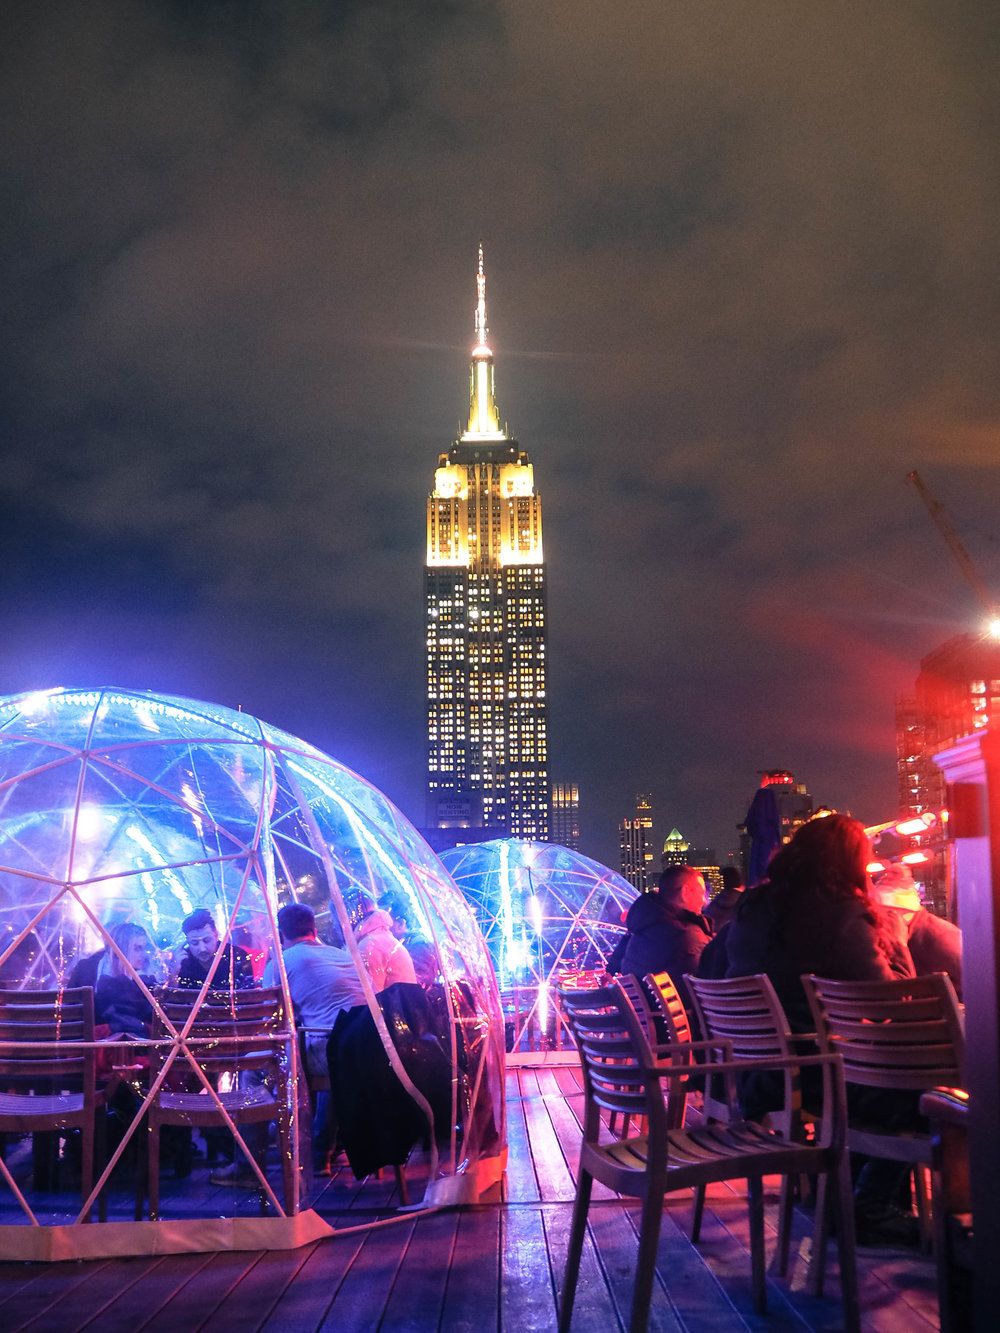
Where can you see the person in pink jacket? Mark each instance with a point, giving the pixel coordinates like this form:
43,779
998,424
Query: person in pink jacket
384,956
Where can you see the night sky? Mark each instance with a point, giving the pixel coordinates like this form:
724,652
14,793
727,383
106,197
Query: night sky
742,278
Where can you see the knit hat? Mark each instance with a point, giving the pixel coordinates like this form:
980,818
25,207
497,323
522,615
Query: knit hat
895,888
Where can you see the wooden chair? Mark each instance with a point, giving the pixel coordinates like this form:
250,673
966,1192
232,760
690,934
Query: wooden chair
621,1073
903,1036
669,1009
44,1089
746,1011
947,1109
256,1071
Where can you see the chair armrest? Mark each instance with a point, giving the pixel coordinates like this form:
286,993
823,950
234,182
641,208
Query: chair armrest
745,1063
671,1048
946,1106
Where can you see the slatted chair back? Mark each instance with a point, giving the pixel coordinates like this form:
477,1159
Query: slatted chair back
904,1034
233,1031
48,1067
747,1012
669,1006
622,1074
615,1057
30,1021
675,1025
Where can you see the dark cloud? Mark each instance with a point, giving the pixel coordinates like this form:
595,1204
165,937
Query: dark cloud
742,279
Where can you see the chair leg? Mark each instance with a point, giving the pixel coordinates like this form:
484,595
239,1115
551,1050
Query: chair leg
846,1243
401,1185
645,1269
153,1170
923,1207
578,1229
785,1202
755,1196
817,1262
699,1209
86,1161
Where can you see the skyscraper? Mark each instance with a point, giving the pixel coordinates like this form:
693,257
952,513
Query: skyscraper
635,842
565,819
487,713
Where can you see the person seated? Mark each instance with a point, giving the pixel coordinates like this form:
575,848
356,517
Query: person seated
235,969
667,930
119,1001
815,914
385,957
322,980
935,945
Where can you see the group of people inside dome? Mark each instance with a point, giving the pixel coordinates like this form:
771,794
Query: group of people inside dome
817,911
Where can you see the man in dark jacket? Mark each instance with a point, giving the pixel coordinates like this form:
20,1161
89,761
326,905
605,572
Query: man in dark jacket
667,930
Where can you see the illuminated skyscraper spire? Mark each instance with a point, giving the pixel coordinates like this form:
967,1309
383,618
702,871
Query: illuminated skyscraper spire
484,417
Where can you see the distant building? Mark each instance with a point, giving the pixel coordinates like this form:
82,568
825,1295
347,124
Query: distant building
779,806
957,692
675,849
635,842
705,861
565,820
484,586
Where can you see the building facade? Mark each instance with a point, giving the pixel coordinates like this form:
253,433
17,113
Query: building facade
957,692
565,816
487,711
635,840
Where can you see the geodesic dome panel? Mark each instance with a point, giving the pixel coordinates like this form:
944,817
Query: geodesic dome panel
549,916
123,812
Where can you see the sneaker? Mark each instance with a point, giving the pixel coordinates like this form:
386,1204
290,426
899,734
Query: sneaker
880,1223
237,1174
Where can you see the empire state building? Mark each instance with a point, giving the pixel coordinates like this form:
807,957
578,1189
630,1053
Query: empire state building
487,765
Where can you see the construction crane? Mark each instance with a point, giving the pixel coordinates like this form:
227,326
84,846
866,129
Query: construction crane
946,528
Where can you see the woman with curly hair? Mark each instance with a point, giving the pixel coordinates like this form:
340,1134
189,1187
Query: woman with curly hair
815,913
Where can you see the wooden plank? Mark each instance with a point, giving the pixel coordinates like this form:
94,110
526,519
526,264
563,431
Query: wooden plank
472,1296
522,1183
555,1183
418,1293
367,1284
105,1283
527,1297
248,1304
570,1135
727,1257
615,1245
131,1307
700,1302
202,1294
594,1308
305,1302
51,1283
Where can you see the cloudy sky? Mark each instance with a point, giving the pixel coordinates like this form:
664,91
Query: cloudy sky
742,266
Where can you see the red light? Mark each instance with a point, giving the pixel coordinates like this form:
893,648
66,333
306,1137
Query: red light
913,858
911,826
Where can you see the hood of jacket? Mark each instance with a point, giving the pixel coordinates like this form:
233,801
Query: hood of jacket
376,921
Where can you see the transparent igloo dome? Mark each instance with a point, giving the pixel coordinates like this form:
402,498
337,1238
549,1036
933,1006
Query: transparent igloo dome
549,915
148,845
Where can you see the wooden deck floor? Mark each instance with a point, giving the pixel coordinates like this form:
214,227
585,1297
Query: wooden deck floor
496,1266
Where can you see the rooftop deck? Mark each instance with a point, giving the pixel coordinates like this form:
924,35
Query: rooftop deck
498,1265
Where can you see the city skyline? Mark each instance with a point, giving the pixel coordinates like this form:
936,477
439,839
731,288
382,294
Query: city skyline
743,261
